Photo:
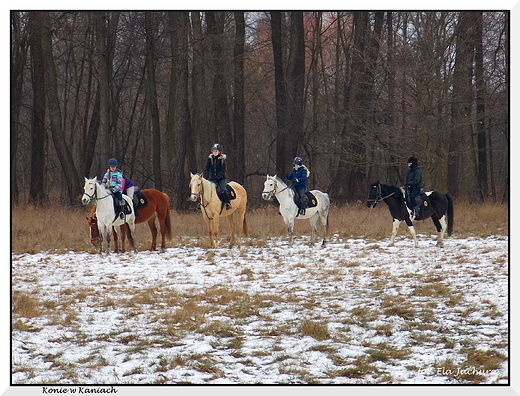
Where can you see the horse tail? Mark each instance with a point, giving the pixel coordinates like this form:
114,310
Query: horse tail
168,220
450,214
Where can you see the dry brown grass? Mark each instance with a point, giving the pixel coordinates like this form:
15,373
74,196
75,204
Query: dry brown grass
35,229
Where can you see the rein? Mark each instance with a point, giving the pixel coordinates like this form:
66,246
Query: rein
201,195
274,192
94,197
379,196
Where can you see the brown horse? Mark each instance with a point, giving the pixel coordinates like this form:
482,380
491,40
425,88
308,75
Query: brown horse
158,206
212,207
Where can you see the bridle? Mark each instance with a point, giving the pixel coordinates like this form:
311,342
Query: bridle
200,195
273,191
94,197
379,196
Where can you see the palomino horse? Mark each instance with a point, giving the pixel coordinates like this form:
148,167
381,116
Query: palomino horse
274,186
440,209
212,207
158,206
106,214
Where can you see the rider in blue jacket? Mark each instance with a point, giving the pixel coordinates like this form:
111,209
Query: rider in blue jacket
113,179
299,174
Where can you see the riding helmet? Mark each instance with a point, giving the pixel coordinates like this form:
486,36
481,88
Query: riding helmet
413,160
216,146
112,162
297,161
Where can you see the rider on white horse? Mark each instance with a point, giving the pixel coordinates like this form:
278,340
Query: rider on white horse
299,174
114,180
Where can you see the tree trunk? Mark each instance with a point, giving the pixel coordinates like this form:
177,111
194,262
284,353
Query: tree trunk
69,171
461,111
480,104
280,91
220,112
201,138
103,86
295,85
38,191
18,61
239,104
182,114
152,103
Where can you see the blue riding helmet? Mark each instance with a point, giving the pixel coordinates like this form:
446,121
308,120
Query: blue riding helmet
112,162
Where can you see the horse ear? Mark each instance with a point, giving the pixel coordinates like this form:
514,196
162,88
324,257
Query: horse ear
95,179
191,174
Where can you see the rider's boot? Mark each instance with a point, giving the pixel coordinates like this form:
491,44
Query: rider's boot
122,209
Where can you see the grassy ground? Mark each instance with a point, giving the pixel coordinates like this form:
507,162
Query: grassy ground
35,229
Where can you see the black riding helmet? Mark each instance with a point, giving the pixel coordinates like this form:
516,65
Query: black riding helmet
297,161
413,160
216,146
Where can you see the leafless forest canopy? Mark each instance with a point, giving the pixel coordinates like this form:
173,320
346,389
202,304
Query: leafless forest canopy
353,93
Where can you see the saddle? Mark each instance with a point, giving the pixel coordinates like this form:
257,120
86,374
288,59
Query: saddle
424,197
139,200
231,193
311,200
127,209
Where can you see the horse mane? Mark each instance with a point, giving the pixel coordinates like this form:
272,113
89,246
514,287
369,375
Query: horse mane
279,179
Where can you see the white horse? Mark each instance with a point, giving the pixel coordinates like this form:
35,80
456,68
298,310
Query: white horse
106,214
274,186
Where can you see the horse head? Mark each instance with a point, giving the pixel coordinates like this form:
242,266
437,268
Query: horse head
195,186
374,195
269,188
89,190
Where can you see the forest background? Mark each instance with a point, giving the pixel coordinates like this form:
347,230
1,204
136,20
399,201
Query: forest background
354,93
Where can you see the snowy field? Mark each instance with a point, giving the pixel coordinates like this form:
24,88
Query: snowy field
353,312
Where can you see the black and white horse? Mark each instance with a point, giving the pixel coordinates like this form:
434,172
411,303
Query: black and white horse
439,208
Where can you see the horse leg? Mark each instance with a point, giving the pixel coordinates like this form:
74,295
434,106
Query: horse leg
131,234
100,238
209,226
162,226
153,230
395,228
411,228
290,231
215,229
231,224
441,226
109,237
314,226
324,221
116,240
123,237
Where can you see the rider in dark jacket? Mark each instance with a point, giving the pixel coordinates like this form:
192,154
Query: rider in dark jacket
414,184
299,174
215,171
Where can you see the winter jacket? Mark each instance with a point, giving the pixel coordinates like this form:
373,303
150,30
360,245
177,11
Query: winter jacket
414,177
116,180
215,169
300,175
